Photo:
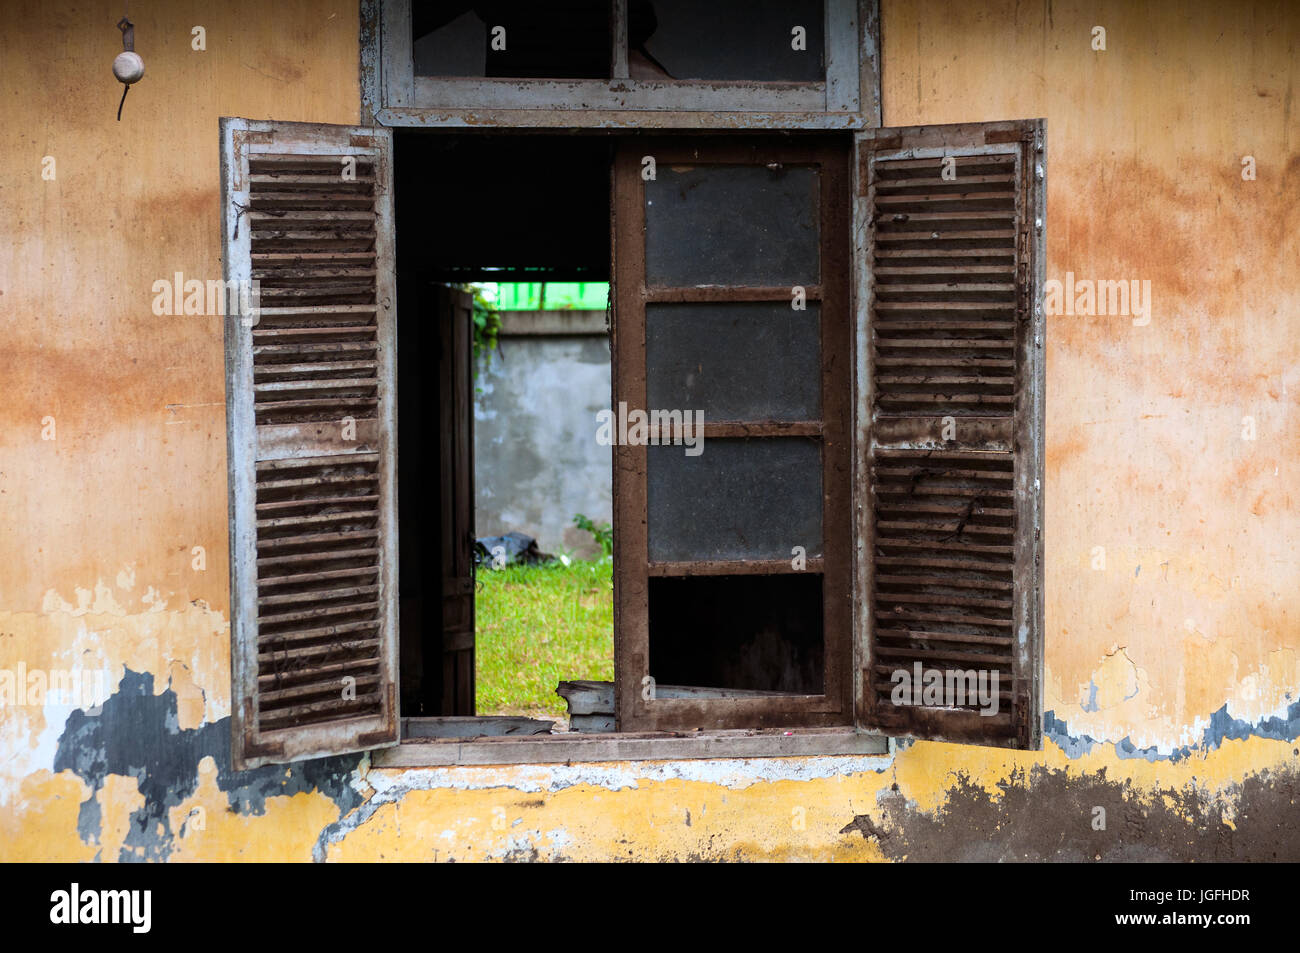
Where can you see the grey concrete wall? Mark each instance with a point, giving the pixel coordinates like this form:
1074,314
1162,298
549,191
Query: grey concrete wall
536,460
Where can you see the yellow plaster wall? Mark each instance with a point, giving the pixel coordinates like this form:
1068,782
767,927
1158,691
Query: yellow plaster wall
1197,603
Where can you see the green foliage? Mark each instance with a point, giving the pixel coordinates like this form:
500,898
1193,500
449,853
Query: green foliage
487,324
602,532
537,626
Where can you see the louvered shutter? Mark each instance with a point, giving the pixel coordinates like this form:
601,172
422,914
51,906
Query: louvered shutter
951,429
307,214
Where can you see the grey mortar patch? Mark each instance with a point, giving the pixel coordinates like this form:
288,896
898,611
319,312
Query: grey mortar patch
135,734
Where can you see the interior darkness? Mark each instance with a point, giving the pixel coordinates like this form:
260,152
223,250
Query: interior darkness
470,208
725,40
667,39
502,208
762,633
419,516
555,39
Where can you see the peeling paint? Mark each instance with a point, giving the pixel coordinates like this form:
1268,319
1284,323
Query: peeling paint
136,735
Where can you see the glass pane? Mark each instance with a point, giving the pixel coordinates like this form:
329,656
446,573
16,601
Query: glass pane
739,499
734,360
520,39
732,225
725,40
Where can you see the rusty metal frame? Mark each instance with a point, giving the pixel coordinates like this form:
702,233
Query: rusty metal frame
632,566
251,746
848,98
1027,140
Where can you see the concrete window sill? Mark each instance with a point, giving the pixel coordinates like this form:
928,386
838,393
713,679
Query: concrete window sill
650,746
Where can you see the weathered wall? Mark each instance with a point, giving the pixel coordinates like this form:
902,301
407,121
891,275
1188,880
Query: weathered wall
1172,671
536,463
97,561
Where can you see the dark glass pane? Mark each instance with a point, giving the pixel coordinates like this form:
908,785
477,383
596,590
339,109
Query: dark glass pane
757,633
565,39
732,225
739,499
735,360
725,40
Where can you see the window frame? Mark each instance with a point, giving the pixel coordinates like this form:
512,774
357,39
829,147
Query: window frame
633,566
851,739
722,107
840,741
848,97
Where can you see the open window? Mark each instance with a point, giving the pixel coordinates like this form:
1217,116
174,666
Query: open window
493,225
833,486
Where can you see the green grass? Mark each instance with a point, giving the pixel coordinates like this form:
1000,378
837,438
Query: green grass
537,626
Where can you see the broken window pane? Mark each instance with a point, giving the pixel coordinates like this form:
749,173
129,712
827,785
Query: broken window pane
726,40
567,39
755,633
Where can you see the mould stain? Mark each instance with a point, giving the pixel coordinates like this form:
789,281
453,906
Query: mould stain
1050,814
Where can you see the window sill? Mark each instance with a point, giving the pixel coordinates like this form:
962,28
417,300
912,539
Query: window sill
651,746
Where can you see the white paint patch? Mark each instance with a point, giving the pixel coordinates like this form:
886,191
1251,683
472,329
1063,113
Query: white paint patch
733,773
29,754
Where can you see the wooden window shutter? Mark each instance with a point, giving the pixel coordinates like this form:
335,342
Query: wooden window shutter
950,404
307,213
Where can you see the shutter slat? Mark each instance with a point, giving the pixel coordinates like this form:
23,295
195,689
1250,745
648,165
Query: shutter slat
321,386
310,678
281,506
307,636
290,371
926,636
909,615
307,715
936,184
317,595
270,583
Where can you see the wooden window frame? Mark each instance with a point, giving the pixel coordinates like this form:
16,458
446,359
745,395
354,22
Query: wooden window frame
632,564
848,97
574,747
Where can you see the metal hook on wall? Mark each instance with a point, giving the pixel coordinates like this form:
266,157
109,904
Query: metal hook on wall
128,67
